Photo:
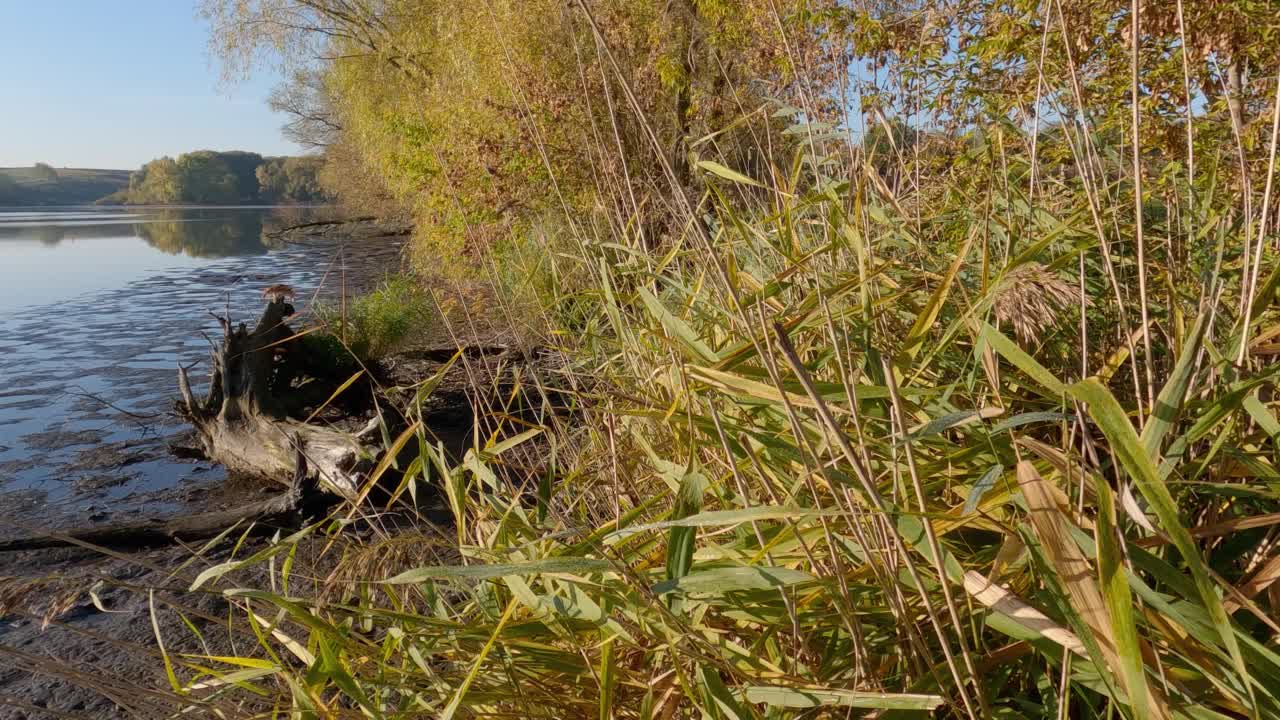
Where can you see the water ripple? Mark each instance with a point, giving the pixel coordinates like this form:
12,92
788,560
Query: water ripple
99,372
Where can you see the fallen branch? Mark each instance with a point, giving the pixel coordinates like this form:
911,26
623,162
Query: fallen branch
319,223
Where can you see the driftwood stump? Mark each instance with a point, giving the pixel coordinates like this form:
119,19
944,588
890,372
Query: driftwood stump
243,423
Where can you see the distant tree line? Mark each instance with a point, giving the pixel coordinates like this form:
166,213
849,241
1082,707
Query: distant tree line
8,189
232,177
45,172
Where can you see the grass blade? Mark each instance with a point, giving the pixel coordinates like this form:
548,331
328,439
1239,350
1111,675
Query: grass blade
1137,462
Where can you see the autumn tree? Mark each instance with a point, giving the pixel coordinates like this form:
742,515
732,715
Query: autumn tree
8,188
312,122
290,179
482,117
206,178
243,168
158,182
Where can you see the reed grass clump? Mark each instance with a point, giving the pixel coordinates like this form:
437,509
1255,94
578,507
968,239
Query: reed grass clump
810,475
374,324
973,421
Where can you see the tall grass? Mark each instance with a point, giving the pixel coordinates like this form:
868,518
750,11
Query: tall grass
975,428
378,323
829,456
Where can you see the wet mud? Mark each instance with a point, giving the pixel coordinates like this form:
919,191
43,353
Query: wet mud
87,436
87,386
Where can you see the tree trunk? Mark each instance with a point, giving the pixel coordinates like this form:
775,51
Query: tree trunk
1235,94
242,422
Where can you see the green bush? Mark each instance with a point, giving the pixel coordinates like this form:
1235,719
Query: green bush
373,326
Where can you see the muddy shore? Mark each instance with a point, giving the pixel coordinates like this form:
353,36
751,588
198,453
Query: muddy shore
69,652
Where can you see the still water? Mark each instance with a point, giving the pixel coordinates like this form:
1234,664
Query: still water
48,256
97,308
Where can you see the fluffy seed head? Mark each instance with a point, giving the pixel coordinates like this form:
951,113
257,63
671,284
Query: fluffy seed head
1032,298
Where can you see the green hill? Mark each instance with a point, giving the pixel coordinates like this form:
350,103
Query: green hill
43,185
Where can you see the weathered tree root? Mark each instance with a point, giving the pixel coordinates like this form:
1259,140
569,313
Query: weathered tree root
301,502
243,423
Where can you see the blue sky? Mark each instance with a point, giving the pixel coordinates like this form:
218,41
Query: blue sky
114,83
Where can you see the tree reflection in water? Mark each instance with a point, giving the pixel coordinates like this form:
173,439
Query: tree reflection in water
218,233
204,234
195,232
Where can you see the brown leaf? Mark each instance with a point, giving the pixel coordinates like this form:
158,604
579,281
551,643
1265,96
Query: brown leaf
1075,572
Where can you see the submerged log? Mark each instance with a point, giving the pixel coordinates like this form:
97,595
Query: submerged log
303,501
243,422
319,223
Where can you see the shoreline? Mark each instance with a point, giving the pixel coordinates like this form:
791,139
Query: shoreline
43,601
113,457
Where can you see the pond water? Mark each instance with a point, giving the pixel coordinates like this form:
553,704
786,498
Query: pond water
97,308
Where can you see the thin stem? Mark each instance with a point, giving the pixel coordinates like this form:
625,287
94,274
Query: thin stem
1135,12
